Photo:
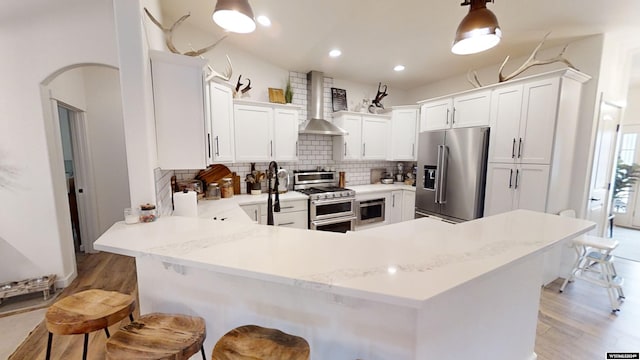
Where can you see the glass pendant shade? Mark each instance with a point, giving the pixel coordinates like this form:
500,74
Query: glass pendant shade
235,16
478,31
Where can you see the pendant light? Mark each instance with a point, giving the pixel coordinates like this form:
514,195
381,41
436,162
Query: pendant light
478,31
235,16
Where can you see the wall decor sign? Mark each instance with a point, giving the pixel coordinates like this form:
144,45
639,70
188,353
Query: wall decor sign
338,99
276,96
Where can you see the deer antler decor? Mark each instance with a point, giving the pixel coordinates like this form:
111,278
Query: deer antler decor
532,61
226,76
474,81
168,34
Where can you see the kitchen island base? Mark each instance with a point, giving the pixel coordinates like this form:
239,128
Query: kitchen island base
493,317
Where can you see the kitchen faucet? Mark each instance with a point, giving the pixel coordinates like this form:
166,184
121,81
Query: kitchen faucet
272,171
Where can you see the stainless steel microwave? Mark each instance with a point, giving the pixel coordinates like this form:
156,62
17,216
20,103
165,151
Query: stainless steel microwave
369,211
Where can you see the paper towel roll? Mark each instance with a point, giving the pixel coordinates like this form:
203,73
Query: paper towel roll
185,204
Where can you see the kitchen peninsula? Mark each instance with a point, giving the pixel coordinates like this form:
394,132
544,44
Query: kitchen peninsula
430,291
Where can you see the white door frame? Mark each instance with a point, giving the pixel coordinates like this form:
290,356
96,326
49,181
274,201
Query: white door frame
606,199
84,179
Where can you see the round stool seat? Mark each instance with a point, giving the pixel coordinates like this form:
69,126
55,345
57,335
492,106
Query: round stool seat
88,311
158,336
252,342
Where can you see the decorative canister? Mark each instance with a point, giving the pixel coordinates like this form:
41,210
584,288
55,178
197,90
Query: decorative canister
148,213
227,188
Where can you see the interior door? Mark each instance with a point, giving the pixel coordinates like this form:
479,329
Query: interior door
603,166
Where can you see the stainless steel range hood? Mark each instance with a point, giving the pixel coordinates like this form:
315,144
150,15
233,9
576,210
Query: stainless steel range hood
316,123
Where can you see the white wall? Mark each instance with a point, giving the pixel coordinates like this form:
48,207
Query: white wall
632,113
33,218
108,151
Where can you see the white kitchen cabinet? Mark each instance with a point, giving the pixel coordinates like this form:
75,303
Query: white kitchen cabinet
367,136
265,132
292,214
285,134
253,211
403,141
408,205
436,115
395,207
375,132
347,147
220,138
516,186
179,108
523,118
464,110
253,127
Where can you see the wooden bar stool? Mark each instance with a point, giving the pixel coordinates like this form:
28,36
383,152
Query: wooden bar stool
158,336
251,342
85,312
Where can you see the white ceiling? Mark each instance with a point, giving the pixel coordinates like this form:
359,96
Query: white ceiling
376,35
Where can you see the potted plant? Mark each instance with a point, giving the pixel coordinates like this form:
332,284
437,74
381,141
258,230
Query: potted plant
288,92
626,176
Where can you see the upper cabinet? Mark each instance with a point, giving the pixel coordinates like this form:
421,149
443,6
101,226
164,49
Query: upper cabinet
403,142
367,136
220,131
464,110
523,118
180,113
265,131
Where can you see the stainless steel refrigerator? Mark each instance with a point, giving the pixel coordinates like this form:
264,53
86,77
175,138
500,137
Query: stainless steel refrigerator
452,169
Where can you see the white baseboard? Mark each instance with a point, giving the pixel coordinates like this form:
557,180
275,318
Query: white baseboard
66,281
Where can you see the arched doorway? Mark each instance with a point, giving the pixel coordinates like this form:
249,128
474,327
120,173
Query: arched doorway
83,106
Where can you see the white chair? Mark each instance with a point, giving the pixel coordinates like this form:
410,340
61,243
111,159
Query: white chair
594,263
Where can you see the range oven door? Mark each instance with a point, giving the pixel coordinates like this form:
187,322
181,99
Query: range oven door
327,209
339,224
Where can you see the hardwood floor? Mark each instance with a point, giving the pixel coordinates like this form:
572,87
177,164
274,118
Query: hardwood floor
577,324
95,271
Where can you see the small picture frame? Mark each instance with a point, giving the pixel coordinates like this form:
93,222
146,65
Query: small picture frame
338,99
276,96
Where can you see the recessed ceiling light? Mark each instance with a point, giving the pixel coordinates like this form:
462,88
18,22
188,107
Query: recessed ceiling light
263,20
335,53
398,68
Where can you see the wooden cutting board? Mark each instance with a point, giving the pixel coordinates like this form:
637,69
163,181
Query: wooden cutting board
214,174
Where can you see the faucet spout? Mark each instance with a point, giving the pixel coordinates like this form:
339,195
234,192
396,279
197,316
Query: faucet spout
272,171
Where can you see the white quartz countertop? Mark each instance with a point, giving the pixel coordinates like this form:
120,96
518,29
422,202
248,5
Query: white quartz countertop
373,188
404,264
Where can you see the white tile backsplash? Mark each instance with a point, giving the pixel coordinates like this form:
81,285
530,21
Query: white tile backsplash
163,190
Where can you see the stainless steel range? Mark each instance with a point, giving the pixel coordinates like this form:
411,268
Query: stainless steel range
331,208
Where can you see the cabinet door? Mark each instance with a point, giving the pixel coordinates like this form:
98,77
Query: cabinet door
506,105
402,144
471,109
348,147
499,190
285,134
253,211
395,205
375,134
530,186
435,115
537,127
296,219
408,205
178,98
252,127
221,112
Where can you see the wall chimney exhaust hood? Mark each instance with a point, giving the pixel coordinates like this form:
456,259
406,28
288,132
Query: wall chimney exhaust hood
315,109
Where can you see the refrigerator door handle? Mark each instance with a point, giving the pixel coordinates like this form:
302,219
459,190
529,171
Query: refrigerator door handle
438,174
442,198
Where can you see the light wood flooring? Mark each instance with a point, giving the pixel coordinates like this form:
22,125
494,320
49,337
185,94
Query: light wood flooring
577,324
